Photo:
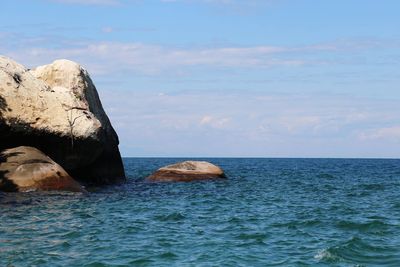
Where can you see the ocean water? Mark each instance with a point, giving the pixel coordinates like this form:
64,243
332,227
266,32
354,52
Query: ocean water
270,212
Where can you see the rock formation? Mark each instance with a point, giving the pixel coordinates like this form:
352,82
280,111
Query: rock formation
26,168
56,109
187,171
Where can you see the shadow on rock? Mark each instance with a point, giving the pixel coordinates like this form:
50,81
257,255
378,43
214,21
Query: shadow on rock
3,104
28,169
6,184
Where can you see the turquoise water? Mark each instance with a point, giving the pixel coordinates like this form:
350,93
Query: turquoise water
270,212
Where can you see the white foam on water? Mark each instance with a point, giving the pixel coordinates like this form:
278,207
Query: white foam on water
324,254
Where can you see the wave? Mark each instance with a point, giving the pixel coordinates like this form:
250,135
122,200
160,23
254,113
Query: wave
175,216
326,176
359,252
298,223
370,226
327,256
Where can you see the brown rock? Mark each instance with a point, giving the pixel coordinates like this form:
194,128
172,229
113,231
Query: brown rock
187,171
26,168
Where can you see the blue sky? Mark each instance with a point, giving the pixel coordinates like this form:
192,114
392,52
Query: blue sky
272,78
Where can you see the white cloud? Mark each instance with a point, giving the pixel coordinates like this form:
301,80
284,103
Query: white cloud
213,122
143,58
111,57
107,29
295,123
381,133
251,124
205,120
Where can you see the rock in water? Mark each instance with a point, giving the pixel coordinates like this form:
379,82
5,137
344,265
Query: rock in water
26,168
187,171
56,109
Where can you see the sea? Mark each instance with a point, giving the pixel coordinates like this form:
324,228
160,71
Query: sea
268,212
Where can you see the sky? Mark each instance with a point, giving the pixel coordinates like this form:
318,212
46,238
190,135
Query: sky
228,78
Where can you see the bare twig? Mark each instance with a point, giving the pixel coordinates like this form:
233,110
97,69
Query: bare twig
71,123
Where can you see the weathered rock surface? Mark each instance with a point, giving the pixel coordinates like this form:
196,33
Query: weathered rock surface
26,168
187,171
56,109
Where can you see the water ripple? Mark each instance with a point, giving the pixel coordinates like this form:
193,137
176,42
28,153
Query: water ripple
270,212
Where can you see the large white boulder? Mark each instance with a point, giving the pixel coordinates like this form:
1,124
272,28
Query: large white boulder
56,108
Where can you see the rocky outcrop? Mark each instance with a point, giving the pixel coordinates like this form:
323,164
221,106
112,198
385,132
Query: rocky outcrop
26,169
56,108
187,171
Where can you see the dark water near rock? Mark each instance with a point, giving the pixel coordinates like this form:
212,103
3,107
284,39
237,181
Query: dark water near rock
270,212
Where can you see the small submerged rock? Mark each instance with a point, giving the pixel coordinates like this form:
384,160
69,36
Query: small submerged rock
187,171
28,169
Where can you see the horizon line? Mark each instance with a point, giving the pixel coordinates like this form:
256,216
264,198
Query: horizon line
247,157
